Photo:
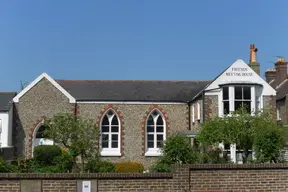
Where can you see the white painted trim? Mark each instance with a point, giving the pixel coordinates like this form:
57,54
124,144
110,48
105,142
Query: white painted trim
198,110
44,75
193,113
132,102
115,153
153,153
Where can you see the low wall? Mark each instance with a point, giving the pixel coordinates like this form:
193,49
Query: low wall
200,178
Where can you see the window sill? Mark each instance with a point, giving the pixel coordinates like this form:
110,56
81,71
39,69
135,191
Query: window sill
110,153
153,153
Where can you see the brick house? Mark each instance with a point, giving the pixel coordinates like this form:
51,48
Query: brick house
277,78
134,117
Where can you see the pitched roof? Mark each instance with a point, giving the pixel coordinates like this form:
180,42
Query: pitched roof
282,90
6,100
132,90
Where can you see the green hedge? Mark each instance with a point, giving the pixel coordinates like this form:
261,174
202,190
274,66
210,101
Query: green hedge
45,155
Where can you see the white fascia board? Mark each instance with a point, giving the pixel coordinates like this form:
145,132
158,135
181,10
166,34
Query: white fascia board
44,75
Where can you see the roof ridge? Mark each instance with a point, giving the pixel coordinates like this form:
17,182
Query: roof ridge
70,80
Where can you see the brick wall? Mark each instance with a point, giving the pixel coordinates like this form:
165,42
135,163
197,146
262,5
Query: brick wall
194,178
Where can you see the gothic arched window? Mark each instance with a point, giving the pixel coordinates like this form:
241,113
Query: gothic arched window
110,134
155,133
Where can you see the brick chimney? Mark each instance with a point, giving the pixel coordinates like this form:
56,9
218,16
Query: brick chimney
253,59
270,74
281,70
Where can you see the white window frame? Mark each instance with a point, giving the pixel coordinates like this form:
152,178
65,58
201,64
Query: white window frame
198,111
193,113
232,99
278,113
110,151
155,151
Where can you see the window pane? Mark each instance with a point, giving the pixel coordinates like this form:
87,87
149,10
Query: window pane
105,120
105,137
105,128
226,107
150,137
40,132
155,113
104,144
110,112
114,144
159,120
150,128
115,120
227,146
115,128
225,93
150,120
150,144
247,106
238,92
238,105
160,129
115,137
247,92
104,141
159,137
159,144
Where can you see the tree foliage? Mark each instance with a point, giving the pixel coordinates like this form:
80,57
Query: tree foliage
259,132
80,136
176,150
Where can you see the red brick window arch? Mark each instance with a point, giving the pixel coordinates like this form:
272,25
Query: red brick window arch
110,134
155,133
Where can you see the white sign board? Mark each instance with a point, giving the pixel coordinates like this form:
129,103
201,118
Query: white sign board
86,186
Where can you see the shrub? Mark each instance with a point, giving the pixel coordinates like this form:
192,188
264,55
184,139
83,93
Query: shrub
161,166
98,166
129,167
46,154
4,167
24,165
65,162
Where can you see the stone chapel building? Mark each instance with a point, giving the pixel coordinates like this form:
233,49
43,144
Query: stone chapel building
134,117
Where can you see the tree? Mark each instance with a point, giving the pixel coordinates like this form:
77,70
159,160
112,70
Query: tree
80,136
247,131
176,150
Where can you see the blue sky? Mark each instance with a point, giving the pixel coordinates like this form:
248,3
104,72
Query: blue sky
133,39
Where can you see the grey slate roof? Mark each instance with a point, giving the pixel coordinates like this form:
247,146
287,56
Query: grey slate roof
130,90
282,90
6,100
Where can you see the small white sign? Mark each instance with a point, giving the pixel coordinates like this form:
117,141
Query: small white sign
86,186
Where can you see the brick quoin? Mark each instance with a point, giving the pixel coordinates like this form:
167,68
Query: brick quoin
36,125
144,122
121,119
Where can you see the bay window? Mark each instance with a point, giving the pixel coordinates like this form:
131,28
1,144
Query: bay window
240,97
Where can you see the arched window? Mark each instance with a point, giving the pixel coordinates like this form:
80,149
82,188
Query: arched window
155,133
39,137
110,134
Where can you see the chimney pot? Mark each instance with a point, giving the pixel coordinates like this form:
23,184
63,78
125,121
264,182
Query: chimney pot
253,59
281,70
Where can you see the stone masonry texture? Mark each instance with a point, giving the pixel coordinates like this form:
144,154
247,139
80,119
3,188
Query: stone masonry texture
211,106
192,178
269,102
133,123
42,101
